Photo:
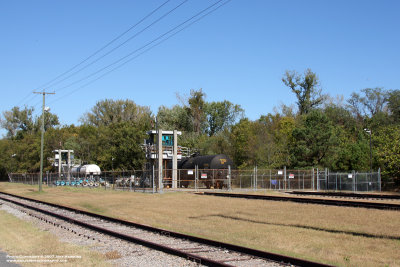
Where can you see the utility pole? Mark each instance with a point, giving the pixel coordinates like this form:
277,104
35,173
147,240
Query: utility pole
42,139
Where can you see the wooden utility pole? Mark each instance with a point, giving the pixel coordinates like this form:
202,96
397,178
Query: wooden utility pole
42,139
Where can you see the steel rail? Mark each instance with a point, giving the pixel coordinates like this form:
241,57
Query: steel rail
253,252
331,202
342,194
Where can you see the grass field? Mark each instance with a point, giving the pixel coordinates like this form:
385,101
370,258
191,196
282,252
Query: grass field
19,238
321,233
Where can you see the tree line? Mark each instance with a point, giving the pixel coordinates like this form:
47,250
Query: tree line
317,131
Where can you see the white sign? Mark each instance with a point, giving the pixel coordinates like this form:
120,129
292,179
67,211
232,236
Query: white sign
190,172
291,176
280,172
204,176
350,176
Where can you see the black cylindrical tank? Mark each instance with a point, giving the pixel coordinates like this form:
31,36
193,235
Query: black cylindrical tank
220,161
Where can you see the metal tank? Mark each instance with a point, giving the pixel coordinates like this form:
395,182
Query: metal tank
86,171
220,161
213,170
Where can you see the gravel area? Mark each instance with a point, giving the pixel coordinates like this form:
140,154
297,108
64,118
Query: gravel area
121,253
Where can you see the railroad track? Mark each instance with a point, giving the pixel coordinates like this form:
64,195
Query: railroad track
331,202
347,195
202,251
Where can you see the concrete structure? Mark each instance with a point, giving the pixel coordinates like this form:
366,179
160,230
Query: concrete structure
64,160
162,149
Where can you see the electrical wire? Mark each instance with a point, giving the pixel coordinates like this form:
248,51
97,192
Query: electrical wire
118,46
106,45
158,43
142,47
45,85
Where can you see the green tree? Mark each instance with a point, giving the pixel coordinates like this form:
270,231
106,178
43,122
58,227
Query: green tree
370,102
196,107
175,118
313,139
352,147
50,120
17,120
121,141
108,111
306,88
394,105
221,115
386,144
240,135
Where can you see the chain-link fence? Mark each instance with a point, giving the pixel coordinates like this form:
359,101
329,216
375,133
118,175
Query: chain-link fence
214,179
118,180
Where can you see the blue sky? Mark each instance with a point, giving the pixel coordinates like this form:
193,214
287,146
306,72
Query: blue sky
238,53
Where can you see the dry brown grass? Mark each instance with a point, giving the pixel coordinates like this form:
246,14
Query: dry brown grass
112,255
315,232
20,238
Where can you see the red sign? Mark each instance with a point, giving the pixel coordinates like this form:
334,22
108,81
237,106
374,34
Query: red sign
204,176
291,175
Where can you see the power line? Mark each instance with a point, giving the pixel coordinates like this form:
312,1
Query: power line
118,46
165,39
29,100
93,54
30,94
144,46
106,45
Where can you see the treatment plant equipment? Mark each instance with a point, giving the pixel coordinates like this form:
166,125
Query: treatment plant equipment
211,170
164,154
86,171
72,172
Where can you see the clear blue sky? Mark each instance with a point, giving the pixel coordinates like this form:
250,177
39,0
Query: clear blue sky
238,53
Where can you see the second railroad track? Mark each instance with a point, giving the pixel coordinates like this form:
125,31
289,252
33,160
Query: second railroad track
203,251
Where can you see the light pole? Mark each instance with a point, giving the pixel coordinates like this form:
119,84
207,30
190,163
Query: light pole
12,165
368,131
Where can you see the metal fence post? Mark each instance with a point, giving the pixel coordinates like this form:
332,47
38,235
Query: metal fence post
317,179
379,179
255,179
229,178
326,179
270,174
336,182
312,177
153,184
240,181
195,177
284,177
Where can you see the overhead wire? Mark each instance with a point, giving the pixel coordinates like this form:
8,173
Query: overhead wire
144,46
45,85
118,46
165,39
105,46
